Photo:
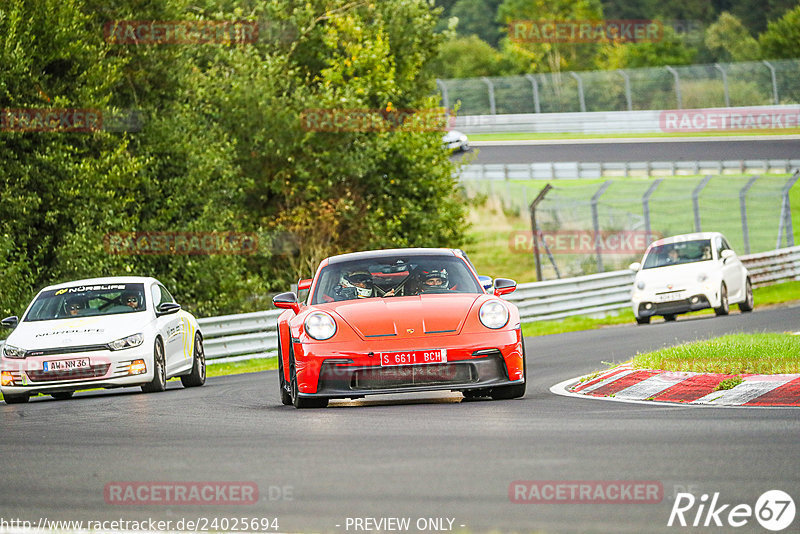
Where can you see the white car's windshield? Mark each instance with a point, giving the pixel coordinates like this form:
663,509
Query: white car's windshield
677,253
87,301
394,277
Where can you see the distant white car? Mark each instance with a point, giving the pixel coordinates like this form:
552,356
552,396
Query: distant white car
100,333
455,140
689,272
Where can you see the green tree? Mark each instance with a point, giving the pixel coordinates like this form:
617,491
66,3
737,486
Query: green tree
478,17
729,40
782,38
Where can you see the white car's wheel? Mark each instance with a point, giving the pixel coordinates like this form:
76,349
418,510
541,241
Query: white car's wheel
724,307
643,320
748,304
62,395
198,375
159,382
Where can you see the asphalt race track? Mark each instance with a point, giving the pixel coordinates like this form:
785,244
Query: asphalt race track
426,456
632,150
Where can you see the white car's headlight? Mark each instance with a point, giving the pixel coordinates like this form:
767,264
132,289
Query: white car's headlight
127,342
320,325
702,277
493,314
640,284
10,351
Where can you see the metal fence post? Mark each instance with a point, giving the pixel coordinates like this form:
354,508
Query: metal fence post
743,207
774,81
646,206
445,98
785,223
677,85
696,201
596,223
535,230
580,90
490,85
627,88
535,85
724,84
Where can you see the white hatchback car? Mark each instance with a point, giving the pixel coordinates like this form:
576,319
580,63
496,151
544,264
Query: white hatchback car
100,333
689,272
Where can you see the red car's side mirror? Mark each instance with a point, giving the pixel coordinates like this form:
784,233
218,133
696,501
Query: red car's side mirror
287,301
504,286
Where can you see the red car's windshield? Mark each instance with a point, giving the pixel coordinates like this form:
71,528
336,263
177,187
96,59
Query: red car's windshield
395,276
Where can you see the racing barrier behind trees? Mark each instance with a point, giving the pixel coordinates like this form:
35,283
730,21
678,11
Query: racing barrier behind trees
755,83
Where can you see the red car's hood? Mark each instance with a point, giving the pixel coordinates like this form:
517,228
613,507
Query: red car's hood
406,316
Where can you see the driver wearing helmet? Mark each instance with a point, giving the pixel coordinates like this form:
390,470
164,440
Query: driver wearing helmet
434,281
355,284
130,299
75,306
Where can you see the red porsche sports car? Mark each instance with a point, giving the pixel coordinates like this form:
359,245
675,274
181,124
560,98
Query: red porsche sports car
396,321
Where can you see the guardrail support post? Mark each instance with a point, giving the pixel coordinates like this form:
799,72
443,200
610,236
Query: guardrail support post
535,230
677,85
743,207
627,88
535,86
445,98
580,90
774,81
785,223
646,207
696,201
724,84
596,224
490,85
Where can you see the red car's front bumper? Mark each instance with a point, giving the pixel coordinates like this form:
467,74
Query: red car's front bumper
474,361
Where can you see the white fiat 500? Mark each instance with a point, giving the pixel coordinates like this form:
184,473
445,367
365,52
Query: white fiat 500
689,272
100,333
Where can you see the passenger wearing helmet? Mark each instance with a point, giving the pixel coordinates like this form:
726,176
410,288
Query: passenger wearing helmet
355,284
434,281
130,299
75,306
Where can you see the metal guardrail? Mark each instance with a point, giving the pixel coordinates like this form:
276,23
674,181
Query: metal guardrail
570,170
254,335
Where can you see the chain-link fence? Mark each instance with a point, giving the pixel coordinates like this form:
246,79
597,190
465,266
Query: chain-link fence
754,83
585,228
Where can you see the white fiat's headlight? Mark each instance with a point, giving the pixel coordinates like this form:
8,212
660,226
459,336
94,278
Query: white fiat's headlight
493,314
10,351
320,326
127,342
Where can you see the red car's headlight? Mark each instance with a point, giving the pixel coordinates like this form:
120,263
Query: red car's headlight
320,325
493,314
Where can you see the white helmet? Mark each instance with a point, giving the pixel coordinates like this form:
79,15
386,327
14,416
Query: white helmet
361,281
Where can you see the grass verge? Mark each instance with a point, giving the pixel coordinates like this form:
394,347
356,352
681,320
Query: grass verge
245,366
783,293
732,354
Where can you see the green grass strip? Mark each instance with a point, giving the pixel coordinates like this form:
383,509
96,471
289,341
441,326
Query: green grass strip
732,354
531,136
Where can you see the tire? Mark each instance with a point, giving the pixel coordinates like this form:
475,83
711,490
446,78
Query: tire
286,398
62,395
748,304
22,398
159,381
298,401
198,375
724,305
643,320
669,317
514,391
